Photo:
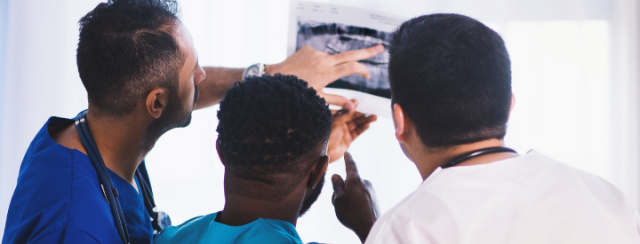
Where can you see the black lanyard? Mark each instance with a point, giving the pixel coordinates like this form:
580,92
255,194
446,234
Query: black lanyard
476,153
159,219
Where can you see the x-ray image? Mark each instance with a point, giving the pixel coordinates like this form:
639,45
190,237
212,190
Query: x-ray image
337,29
336,38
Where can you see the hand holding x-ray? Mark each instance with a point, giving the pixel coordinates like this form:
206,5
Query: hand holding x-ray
347,126
321,68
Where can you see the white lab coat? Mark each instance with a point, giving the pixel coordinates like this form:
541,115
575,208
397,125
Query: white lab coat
522,200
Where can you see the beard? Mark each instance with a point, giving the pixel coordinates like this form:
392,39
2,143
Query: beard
175,116
315,193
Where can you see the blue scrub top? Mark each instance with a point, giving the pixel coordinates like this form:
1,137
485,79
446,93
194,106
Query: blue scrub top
58,198
205,229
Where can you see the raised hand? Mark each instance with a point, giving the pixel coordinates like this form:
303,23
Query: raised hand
347,126
354,200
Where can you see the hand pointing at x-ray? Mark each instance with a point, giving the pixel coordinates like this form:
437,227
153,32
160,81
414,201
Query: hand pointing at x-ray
354,200
321,68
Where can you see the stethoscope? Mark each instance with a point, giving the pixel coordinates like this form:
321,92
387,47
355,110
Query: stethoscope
159,219
476,153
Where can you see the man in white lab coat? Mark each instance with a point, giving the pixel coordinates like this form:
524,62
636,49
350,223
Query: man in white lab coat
451,96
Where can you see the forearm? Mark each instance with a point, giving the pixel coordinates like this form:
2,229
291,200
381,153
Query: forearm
317,68
214,87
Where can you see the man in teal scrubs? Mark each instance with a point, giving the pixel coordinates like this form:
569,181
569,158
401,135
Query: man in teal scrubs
140,69
273,136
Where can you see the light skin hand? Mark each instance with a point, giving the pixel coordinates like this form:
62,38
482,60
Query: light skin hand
354,200
320,68
347,126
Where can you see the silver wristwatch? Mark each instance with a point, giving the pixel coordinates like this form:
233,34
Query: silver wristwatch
254,70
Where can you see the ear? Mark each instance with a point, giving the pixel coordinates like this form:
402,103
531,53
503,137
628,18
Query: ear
157,101
401,123
219,153
318,170
513,102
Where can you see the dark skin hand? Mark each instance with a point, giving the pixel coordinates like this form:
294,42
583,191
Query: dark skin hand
354,200
347,126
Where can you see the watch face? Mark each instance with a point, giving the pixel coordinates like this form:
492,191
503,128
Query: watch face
253,70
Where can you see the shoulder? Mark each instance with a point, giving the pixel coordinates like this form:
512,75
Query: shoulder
191,231
576,179
278,231
46,159
422,217
588,191
65,186
43,148
204,229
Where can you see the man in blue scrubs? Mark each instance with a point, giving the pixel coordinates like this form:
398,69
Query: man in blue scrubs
140,69
273,135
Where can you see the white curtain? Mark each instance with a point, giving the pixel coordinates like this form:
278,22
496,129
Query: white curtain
575,77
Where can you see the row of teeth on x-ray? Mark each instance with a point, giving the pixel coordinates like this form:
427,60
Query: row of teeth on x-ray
336,38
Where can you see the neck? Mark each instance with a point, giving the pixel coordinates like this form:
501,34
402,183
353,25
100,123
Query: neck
120,142
247,201
428,160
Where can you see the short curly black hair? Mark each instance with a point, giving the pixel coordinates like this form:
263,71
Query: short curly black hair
272,125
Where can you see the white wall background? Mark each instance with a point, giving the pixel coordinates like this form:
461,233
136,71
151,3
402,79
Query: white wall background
575,76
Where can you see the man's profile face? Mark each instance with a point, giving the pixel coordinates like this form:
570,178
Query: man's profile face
191,73
178,110
181,105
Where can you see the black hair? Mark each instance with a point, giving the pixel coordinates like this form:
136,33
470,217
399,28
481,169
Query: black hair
126,49
452,77
272,125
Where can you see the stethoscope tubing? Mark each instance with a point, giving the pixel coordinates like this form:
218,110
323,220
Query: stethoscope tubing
103,176
477,153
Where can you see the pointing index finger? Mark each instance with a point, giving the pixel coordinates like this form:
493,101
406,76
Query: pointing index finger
352,169
357,55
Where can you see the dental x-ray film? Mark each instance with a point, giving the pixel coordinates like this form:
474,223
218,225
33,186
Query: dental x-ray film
335,29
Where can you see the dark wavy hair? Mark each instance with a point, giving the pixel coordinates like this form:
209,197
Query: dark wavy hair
452,76
126,48
272,125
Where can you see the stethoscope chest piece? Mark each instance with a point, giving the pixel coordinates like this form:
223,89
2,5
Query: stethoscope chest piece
161,220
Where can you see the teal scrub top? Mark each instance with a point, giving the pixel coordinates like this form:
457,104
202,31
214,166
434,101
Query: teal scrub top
205,229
